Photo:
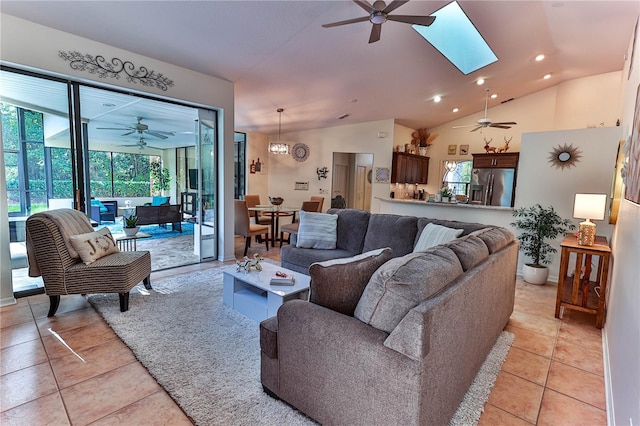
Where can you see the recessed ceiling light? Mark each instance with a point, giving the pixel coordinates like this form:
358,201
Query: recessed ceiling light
494,95
455,109
480,81
547,76
437,98
539,57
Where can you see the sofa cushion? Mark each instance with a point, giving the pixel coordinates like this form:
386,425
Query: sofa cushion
495,238
352,228
402,283
317,230
94,245
390,230
467,227
157,200
433,235
338,284
470,250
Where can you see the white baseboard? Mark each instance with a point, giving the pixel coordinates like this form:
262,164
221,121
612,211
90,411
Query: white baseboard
607,379
8,301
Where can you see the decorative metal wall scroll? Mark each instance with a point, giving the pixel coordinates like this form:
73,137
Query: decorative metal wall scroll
322,172
103,68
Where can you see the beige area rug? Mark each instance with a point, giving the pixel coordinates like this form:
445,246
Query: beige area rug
207,356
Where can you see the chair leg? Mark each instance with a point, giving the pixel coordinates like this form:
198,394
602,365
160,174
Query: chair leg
266,241
147,282
124,301
247,244
54,302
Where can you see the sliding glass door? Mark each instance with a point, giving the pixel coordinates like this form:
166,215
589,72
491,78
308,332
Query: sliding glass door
206,158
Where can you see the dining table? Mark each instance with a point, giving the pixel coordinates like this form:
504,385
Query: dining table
275,212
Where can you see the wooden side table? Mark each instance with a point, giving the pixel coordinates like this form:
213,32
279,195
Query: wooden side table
578,292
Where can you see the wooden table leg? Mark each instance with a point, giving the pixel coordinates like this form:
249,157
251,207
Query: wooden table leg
585,280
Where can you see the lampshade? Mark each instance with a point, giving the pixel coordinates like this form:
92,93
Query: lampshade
589,206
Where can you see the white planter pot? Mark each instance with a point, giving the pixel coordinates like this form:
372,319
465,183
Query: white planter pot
130,232
534,275
445,199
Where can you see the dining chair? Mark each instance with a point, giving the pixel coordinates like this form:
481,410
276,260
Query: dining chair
292,228
243,226
320,201
253,200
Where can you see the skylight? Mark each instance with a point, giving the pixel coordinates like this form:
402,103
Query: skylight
455,36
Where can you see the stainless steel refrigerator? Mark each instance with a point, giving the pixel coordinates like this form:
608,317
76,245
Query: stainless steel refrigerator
493,187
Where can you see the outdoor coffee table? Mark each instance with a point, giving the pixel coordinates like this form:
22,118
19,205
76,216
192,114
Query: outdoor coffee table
251,294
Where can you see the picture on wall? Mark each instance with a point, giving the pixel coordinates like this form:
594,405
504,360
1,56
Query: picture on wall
452,149
464,149
382,175
632,189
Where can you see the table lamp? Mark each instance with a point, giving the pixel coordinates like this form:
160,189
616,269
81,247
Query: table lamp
588,207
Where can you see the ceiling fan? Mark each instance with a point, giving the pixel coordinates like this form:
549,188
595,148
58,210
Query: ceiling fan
379,14
486,122
140,144
140,128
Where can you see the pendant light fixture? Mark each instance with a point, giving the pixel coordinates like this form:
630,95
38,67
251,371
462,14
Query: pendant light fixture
279,147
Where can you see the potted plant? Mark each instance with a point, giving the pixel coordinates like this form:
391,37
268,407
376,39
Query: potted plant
446,194
539,225
131,227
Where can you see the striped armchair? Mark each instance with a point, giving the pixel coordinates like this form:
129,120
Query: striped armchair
51,255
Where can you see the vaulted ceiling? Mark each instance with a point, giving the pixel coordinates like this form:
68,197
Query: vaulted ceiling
279,56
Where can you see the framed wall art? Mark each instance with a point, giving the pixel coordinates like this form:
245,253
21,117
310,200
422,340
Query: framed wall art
452,149
464,149
382,175
632,188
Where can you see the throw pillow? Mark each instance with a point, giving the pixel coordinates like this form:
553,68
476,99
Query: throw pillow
403,283
338,284
98,203
433,235
94,245
317,230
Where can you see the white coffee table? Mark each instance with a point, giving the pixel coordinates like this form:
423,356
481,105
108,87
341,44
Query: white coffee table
251,294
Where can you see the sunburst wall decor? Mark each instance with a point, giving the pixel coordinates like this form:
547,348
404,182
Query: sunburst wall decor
564,156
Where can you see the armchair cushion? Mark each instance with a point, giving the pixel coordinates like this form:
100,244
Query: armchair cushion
98,203
338,284
94,245
433,235
317,230
158,200
402,283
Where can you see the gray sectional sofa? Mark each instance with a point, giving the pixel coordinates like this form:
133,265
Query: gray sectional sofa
389,336
360,231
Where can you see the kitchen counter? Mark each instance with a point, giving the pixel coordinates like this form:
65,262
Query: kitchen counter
490,215
460,205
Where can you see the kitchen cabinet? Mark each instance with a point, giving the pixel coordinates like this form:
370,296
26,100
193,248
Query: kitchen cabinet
409,168
499,161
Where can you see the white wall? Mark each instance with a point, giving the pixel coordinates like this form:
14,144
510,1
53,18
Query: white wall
539,182
31,46
622,327
257,147
357,138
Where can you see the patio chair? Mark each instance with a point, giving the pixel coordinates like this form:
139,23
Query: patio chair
63,265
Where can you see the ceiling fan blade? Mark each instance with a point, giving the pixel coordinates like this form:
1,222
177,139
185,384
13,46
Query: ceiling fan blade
497,125
162,132
425,21
507,123
348,21
113,128
365,5
465,125
375,33
156,134
477,128
394,5
128,133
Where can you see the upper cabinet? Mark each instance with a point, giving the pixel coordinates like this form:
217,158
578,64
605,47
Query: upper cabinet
502,161
409,168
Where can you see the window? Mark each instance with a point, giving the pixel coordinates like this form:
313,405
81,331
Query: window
117,174
457,176
239,164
